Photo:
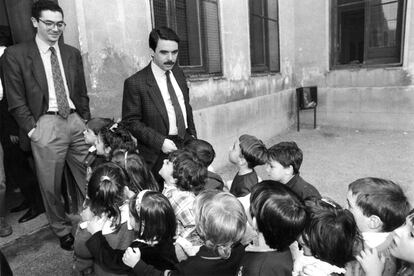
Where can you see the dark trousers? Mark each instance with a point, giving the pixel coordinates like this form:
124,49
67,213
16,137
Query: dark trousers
2,185
4,266
19,173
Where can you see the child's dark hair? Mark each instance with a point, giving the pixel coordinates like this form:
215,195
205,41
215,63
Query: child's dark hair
287,154
202,149
96,124
331,231
106,191
382,198
154,215
188,170
253,150
117,136
140,177
279,213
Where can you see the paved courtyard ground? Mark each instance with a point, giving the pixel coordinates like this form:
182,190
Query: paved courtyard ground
333,158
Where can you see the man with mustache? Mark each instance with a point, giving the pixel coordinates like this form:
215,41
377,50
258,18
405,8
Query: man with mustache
46,93
156,102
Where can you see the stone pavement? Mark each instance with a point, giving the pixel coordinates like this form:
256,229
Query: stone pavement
332,159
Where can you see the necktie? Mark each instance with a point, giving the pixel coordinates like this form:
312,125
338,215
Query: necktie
177,109
61,98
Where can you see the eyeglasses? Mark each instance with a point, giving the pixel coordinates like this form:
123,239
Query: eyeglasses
51,24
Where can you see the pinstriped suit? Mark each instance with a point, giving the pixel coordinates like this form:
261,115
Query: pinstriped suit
144,111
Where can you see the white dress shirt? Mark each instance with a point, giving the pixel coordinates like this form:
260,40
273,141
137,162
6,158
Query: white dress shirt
161,79
2,48
45,55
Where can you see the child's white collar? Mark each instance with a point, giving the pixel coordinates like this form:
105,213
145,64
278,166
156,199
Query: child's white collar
326,267
258,248
373,239
107,229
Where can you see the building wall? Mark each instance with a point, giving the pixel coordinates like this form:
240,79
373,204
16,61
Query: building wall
240,102
370,98
113,38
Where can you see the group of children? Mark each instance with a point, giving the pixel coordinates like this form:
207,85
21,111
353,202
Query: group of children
196,224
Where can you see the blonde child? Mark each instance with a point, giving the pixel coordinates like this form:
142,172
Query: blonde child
221,223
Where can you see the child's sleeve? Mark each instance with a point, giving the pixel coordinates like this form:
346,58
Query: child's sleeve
143,269
390,268
105,255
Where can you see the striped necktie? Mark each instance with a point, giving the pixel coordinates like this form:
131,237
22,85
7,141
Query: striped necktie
177,109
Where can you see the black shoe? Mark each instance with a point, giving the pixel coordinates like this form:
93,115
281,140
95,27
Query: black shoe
66,242
31,214
23,206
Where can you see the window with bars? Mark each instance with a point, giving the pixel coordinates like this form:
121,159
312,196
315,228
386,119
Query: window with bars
367,32
264,35
196,23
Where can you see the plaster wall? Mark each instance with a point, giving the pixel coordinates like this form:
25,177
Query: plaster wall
239,102
372,98
113,39
310,47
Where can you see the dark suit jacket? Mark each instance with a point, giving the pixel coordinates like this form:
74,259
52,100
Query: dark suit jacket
26,85
8,125
144,111
4,266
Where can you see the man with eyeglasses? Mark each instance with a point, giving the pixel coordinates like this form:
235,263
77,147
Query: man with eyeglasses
46,92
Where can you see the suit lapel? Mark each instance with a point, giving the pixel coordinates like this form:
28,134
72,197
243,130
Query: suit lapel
38,69
181,82
64,54
155,94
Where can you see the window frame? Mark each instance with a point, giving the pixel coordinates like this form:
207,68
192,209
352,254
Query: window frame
379,63
265,68
194,71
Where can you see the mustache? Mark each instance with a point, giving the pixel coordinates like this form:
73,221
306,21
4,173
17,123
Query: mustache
169,63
